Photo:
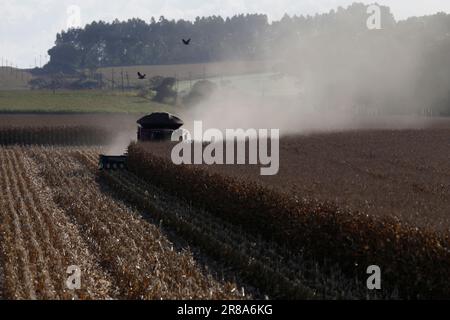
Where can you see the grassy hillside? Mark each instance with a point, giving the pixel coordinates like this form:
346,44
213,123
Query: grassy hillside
15,95
13,79
17,79
77,101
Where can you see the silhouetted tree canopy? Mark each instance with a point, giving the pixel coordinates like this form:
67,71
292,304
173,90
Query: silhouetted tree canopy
135,42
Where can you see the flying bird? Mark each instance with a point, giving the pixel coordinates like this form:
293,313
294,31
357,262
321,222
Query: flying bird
186,42
141,76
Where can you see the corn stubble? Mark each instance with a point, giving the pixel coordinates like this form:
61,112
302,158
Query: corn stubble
55,215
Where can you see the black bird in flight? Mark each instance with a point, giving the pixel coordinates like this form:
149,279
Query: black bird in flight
186,42
141,76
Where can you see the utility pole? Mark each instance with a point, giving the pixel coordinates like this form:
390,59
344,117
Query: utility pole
121,75
112,77
190,81
176,82
128,81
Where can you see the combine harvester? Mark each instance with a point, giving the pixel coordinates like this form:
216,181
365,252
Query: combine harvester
158,126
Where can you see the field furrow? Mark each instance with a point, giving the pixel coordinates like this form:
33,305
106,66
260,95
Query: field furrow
31,221
39,242
63,241
19,280
145,264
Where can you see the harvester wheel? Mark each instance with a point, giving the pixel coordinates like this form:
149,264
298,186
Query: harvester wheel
121,166
114,166
108,166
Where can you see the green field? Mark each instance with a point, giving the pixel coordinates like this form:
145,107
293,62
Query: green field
249,77
107,101
97,101
17,79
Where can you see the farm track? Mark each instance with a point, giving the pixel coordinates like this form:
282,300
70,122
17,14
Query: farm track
262,264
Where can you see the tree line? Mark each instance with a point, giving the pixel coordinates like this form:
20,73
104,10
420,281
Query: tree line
137,42
335,56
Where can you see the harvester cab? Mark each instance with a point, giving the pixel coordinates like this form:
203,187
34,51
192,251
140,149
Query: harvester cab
157,126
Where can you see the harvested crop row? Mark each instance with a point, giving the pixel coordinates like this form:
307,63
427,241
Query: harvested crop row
39,242
350,239
2,273
19,259
35,241
65,237
142,262
270,268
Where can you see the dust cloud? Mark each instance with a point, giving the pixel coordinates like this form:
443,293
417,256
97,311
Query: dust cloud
343,77
120,142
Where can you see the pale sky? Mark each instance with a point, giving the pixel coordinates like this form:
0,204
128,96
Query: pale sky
28,27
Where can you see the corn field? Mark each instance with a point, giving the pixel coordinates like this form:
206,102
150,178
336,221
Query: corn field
55,215
416,260
160,231
131,240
